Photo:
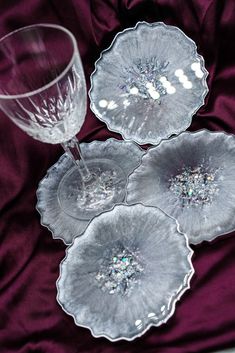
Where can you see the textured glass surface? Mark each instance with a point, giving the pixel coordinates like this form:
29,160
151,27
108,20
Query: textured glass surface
126,272
192,178
42,91
126,155
148,83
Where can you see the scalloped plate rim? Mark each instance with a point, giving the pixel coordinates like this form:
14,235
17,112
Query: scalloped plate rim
173,137
63,156
191,114
185,286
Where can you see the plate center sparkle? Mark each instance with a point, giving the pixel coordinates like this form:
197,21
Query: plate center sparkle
194,186
121,273
146,78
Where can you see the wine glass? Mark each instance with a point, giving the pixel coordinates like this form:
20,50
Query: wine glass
43,91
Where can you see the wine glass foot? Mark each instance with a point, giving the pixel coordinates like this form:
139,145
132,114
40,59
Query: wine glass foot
105,188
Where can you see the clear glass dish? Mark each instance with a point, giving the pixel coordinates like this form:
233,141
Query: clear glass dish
192,178
125,155
126,273
149,83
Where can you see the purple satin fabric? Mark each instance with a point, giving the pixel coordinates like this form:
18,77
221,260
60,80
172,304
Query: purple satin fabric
30,318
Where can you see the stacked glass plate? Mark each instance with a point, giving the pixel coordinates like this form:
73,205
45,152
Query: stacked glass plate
129,265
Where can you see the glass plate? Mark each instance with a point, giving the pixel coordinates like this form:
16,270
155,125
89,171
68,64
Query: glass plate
126,273
125,155
148,84
192,178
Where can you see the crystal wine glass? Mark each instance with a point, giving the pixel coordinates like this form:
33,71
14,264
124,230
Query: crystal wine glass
43,91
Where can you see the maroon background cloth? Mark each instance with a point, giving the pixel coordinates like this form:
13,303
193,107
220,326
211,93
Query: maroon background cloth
30,318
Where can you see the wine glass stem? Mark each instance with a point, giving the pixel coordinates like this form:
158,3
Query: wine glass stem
73,149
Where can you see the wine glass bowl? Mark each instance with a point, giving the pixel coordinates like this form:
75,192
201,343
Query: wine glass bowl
41,90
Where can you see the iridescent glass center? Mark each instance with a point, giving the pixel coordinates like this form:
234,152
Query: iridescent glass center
194,186
147,78
120,274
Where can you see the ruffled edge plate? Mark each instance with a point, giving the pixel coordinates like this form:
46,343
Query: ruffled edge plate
126,154
182,289
190,115
218,231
